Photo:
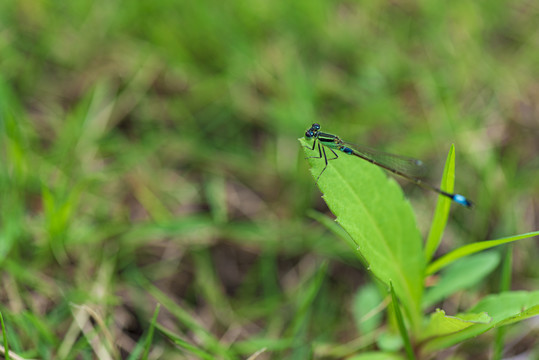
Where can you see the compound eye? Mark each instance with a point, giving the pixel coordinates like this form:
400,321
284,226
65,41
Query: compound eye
316,126
309,133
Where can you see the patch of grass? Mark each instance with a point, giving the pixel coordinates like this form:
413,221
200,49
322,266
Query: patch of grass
148,155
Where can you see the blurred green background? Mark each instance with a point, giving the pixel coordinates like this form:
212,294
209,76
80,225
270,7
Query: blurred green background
149,153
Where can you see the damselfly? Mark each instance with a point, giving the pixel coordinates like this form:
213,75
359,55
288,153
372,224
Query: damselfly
405,167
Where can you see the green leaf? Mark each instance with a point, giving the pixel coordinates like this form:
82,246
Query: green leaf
440,324
509,307
505,308
462,274
442,207
472,249
372,209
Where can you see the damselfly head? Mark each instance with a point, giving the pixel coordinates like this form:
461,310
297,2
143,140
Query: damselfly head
314,129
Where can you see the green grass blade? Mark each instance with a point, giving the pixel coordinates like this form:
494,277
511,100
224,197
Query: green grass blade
442,207
256,343
4,336
299,326
372,355
472,249
200,353
306,299
137,350
185,318
149,337
402,327
14,167
372,209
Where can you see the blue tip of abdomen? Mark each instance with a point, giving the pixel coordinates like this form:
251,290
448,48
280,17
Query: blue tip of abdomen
459,199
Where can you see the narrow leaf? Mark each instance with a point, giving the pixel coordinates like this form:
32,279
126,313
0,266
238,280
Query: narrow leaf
200,353
4,336
376,356
149,337
402,327
472,249
442,207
